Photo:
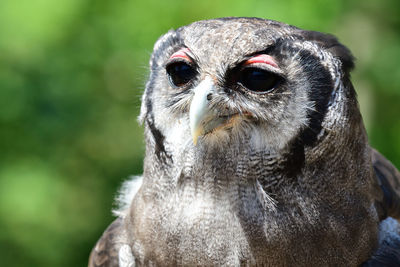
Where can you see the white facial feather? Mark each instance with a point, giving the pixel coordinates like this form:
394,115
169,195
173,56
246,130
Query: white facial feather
126,194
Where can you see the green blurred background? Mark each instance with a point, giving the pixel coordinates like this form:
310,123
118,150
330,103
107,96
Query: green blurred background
71,76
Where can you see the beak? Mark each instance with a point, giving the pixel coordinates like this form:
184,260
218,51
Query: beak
204,119
199,112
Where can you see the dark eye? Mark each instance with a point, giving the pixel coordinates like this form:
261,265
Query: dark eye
258,80
180,73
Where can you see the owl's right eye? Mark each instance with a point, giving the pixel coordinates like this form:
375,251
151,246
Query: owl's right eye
180,73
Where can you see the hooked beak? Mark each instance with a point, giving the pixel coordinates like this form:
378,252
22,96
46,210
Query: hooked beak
202,118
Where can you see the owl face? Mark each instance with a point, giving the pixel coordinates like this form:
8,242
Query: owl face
242,82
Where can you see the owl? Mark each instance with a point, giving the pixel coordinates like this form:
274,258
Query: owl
256,155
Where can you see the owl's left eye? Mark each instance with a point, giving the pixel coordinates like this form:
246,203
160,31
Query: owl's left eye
180,73
258,80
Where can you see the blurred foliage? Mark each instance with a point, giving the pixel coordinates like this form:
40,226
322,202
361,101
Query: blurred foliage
71,76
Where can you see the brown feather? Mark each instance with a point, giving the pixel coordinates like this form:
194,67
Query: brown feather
389,181
105,253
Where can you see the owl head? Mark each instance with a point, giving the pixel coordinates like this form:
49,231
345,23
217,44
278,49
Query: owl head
245,82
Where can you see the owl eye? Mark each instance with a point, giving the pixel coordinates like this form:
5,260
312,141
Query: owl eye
180,73
258,80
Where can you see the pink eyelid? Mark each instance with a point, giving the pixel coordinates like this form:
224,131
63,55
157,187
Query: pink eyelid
181,53
264,59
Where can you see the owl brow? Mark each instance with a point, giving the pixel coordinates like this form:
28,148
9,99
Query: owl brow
267,50
181,53
262,58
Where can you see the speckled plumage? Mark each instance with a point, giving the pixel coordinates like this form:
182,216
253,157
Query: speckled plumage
289,181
